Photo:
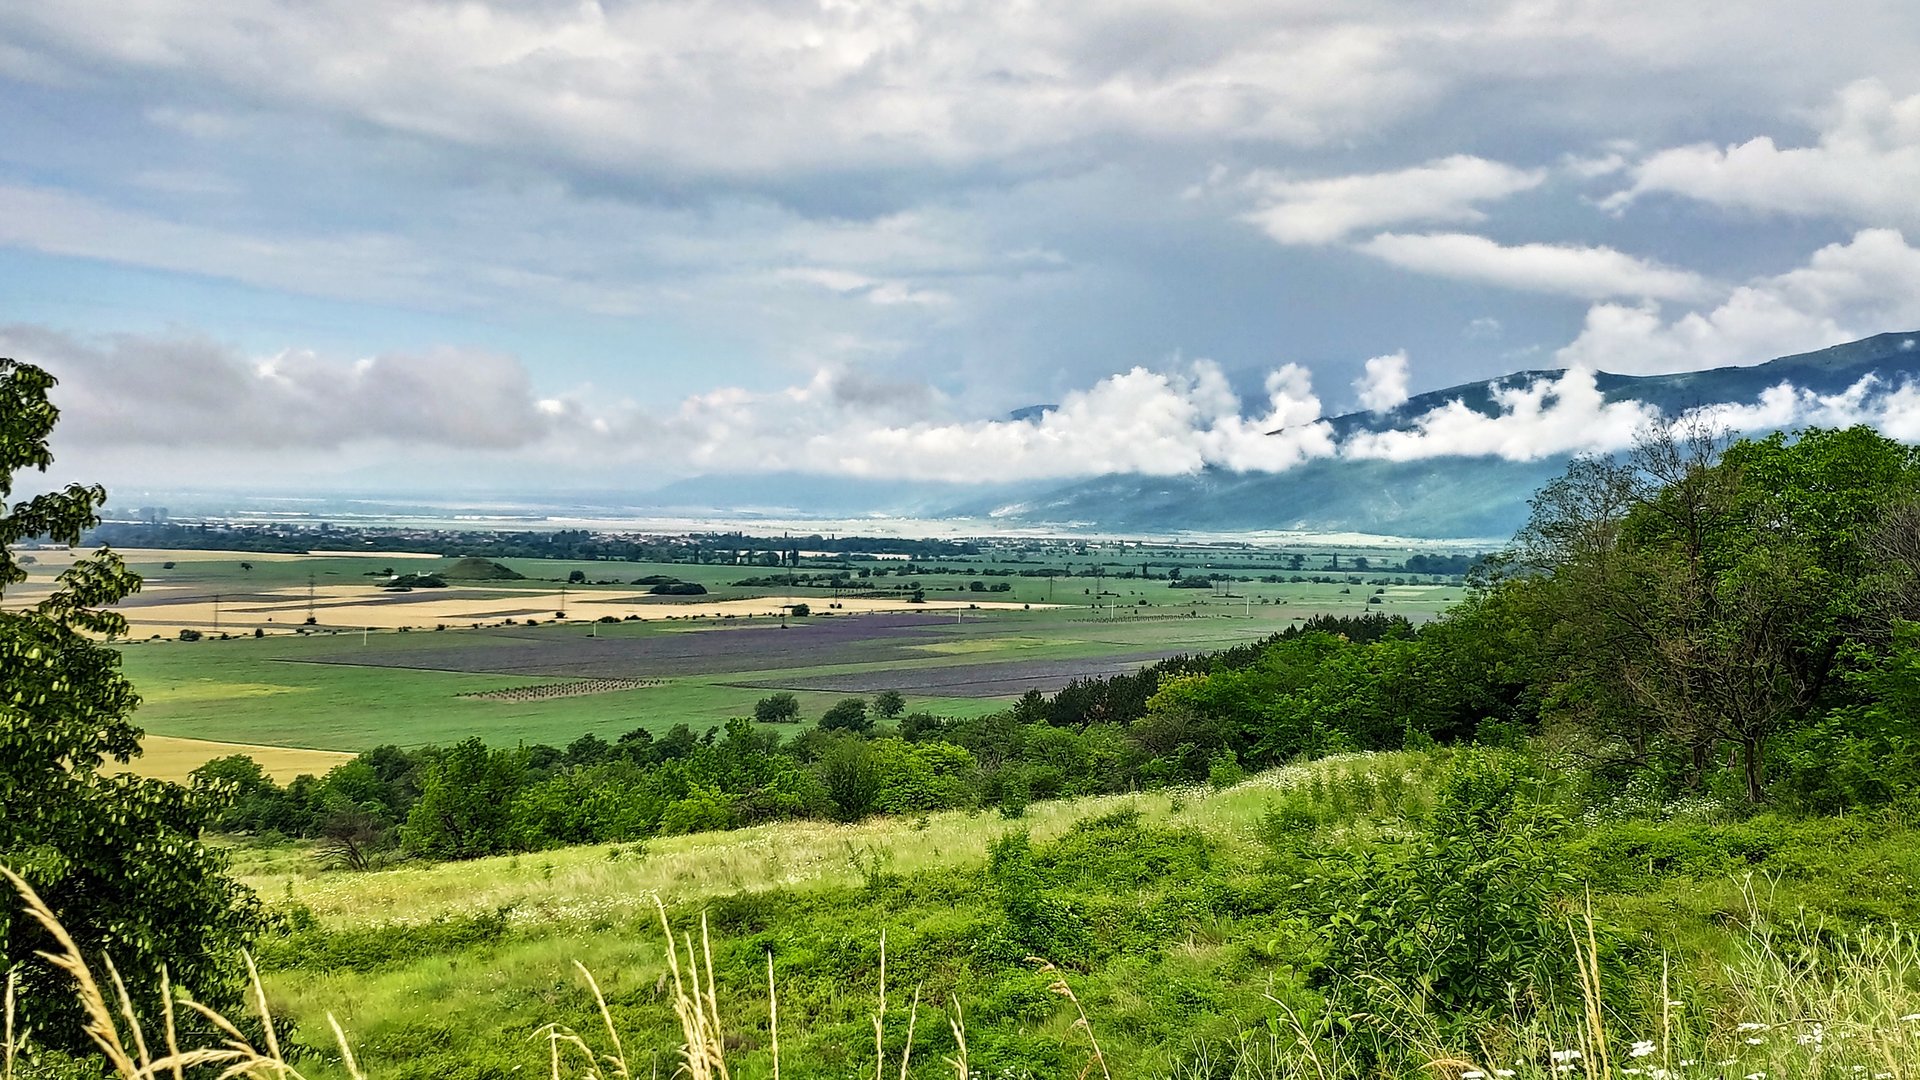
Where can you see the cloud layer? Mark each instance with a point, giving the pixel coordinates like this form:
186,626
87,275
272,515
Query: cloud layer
128,396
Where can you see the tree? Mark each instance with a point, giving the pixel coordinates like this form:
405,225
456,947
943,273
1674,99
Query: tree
466,804
781,708
1709,598
351,833
847,714
577,577
118,858
889,703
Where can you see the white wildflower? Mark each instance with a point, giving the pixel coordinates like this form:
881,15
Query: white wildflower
1566,1055
1641,1048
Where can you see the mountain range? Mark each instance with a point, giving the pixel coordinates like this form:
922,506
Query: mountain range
1453,496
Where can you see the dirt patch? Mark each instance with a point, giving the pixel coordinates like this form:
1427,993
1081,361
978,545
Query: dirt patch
715,651
1009,679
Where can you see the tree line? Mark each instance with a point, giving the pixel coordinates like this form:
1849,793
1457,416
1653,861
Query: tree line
1691,616
861,757
728,548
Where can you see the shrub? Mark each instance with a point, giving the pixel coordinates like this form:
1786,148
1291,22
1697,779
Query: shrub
781,708
847,714
1458,920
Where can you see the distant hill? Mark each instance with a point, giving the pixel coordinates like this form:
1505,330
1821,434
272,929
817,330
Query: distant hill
1438,497
474,568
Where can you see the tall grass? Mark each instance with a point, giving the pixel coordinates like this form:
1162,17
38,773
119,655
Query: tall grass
1798,1003
1788,998
121,1041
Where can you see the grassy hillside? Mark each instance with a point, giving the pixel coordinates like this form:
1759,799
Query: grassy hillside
1187,925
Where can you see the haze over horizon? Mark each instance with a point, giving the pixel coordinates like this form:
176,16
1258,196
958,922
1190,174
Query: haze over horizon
587,245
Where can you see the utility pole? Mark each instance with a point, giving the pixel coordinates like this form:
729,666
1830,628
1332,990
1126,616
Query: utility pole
310,598
216,613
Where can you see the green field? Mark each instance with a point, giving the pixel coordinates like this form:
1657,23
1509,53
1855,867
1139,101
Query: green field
261,691
266,692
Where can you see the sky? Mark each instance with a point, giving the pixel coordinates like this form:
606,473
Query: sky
348,246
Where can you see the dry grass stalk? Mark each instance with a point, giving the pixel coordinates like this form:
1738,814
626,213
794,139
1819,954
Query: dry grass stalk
913,1016
704,1052
617,1059
238,1058
773,1016
1593,1039
13,986
1059,986
880,1014
958,1022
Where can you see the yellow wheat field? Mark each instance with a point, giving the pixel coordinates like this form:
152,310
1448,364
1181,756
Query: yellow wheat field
168,758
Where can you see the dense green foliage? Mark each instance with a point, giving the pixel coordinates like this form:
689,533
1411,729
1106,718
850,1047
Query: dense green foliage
118,857
1684,604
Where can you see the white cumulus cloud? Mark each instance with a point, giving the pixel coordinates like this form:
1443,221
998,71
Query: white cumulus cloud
1864,167
1566,414
1586,273
1864,286
1327,210
1141,421
1892,408
1383,385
